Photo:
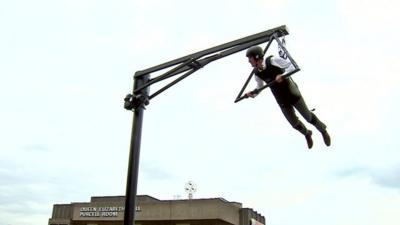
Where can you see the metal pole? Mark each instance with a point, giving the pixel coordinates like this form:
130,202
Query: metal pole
133,166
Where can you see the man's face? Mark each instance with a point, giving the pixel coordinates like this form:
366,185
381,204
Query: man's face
255,63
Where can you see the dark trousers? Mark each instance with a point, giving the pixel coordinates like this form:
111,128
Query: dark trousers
290,114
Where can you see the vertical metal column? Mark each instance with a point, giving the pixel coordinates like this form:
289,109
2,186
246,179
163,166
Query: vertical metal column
134,154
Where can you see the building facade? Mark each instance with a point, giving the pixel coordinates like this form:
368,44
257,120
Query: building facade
109,210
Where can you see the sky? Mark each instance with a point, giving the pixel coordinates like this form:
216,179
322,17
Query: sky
66,65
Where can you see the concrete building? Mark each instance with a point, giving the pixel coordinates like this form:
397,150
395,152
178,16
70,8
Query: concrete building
109,210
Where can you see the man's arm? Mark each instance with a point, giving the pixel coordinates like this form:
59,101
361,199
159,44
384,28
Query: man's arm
259,82
284,64
254,93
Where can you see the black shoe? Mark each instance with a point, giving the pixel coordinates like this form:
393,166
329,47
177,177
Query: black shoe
327,138
309,139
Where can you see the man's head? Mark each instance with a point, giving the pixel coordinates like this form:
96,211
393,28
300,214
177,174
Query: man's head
255,55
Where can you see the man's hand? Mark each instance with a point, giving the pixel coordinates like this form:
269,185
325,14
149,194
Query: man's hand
252,94
279,78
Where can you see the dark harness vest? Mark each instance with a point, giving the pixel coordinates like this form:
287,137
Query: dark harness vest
286,93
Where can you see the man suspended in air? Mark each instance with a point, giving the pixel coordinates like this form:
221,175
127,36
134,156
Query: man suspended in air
285,91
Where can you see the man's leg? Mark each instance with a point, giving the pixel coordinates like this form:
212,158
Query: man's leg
301,106
290,115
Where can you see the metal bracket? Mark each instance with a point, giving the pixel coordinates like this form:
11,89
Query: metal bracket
133,102
195,65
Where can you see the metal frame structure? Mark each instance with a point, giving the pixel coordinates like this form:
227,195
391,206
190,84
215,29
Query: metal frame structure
187,65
